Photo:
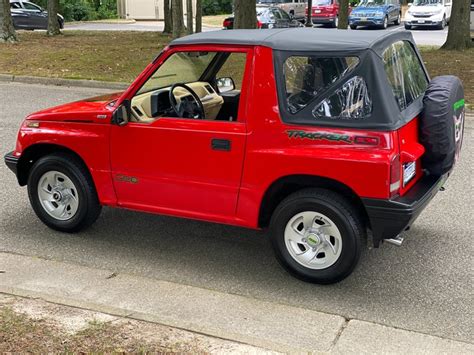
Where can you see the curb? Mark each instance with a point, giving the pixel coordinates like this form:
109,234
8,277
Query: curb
94,84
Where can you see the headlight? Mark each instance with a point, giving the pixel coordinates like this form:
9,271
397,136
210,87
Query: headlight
379,14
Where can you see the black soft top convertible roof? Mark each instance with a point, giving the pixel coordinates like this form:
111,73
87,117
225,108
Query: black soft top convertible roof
301,39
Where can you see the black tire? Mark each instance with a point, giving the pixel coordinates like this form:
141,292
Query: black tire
89,207
398,20
442,25
339,211
353,27
442,124
335,23
385,23
407,27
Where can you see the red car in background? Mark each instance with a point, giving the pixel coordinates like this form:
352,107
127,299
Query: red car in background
325,12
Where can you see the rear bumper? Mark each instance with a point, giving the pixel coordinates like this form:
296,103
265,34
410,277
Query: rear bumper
12,162
323,20
389,218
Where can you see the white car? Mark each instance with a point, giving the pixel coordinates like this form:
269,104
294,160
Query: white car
432,13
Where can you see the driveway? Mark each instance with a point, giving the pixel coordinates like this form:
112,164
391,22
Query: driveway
425,37
426,285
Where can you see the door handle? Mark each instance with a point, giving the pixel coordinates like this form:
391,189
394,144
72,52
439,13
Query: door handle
221,144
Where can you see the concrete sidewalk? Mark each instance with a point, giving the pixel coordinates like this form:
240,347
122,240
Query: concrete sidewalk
263,324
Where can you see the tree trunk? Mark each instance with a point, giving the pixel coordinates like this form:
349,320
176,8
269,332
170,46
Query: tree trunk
53,22
178,22
7,31
198,16
245,14
459,37
343,14
167,17
309,14
189,16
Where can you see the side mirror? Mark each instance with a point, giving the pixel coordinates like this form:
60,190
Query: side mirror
291,16
410,4
225,84
121,115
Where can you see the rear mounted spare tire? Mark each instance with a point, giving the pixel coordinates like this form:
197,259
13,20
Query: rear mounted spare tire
442,124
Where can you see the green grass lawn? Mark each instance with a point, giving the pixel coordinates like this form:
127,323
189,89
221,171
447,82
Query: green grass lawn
121,56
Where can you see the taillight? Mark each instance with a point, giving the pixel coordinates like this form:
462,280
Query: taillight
227,23
259,24
395,168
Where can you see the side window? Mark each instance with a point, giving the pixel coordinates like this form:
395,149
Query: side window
405,73
30,6
234,68
306,78
351,101
15,5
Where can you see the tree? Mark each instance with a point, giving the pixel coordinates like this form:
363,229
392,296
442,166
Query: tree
7,30
245,14
309,13
168,17
459,37
53,22
198,16
178,22
189,16
343,14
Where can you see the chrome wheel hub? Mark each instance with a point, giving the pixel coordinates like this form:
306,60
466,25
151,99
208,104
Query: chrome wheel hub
58,195
313,240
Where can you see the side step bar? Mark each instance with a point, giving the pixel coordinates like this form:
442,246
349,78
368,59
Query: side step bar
398,240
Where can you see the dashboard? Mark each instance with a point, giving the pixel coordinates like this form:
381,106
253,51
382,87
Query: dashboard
150,106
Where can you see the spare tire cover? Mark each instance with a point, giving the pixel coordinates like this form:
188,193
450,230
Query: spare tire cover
442,124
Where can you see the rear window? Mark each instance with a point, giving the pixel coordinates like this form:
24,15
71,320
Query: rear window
405,73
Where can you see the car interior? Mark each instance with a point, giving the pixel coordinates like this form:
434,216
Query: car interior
192,85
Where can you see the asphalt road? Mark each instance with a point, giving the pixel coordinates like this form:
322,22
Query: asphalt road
426,285
427,37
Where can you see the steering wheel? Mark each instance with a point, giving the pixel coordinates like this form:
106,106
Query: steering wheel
187,108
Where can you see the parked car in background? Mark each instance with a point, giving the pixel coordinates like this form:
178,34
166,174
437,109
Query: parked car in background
325,12
29,16
472,20
379,13
295,8
268,17
428,13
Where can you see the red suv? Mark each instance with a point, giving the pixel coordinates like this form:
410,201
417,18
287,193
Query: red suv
325,12
325,138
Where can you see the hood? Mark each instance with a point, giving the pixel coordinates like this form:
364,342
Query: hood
371,8
79,111
425,9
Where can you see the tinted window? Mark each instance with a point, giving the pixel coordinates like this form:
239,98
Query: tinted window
30,6
405,73
308,77
15,5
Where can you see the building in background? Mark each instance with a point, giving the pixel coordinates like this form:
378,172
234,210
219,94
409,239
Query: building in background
144,9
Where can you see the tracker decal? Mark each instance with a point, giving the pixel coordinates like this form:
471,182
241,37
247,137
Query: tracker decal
333,137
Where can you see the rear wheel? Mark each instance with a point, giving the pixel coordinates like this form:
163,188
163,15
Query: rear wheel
62,193
399,19
353,27
316,235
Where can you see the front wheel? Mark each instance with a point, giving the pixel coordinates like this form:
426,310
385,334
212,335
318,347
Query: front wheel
407,27
62,193
316,235
385,23
442,24
335,24
353,27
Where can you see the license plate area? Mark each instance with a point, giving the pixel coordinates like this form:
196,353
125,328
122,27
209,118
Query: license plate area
409,172
363,19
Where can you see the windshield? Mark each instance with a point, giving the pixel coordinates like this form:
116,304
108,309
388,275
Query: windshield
373,2
181,67
322,2
427,2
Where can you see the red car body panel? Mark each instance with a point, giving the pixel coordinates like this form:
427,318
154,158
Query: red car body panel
175,172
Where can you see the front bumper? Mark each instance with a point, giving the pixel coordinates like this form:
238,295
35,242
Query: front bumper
389,218
366,21
423,23
12,162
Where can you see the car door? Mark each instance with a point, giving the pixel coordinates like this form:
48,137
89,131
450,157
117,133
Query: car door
178,166
38,19
19,16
